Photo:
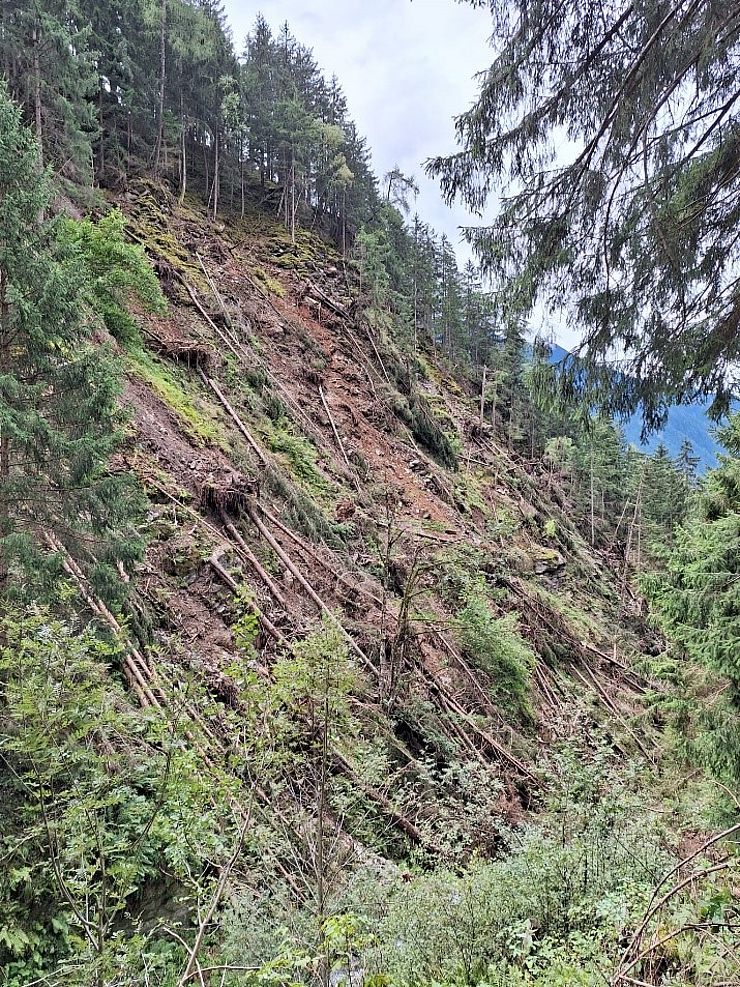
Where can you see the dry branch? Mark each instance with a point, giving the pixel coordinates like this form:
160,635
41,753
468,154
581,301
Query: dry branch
292,568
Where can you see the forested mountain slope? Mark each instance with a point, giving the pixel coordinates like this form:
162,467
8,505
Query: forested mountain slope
294,451
377,645
685,422
324,657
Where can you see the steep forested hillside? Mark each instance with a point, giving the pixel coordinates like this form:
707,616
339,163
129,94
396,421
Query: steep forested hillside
324,654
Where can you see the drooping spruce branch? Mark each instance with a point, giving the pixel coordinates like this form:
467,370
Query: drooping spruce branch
607,135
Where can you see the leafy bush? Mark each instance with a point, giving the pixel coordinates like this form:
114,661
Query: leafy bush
558,909
97,801
117,272
495,645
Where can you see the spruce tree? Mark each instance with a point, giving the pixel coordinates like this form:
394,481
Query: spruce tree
59,421
46,60
686,463
697,597
608,134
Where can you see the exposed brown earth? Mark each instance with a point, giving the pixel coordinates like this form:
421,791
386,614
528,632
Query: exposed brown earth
277,456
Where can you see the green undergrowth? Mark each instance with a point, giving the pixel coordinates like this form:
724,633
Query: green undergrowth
169,384
301,510
299,455
555,908
494,645
586,626
469,490
275,244
415,411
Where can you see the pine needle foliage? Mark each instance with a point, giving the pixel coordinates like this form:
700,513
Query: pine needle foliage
59,416
610,134
697,598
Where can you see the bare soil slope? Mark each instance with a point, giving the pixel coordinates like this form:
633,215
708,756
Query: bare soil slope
292,453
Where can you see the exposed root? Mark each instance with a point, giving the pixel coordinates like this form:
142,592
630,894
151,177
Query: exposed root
228,493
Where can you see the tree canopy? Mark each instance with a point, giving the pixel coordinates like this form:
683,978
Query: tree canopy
606,136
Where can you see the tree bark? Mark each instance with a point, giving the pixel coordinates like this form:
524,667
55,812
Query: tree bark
37,102
101,147
162,82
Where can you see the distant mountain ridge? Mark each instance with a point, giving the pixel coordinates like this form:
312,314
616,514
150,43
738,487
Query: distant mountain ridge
689,421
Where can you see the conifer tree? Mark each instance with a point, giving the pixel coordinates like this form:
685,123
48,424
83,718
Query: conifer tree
697,597
59,422
666,495
47,62
686,463
609,134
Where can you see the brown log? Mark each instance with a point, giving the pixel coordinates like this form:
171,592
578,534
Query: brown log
247,552
265,622
235,417
490,741
290,565
316,557
334,427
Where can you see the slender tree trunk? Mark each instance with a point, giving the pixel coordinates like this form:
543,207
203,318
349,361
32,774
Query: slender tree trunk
216,176
231,187
183,156
205,165
482,386
293,204
593,496
512,422
635,527
241,181
162,82
416,309
4,438
37,104
101,148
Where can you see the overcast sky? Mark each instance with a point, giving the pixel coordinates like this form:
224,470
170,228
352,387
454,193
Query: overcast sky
406,67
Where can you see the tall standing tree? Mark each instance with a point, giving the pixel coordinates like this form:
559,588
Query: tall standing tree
59,420
609,132
47,63
686,463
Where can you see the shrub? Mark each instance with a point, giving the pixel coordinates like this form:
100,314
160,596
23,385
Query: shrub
495,646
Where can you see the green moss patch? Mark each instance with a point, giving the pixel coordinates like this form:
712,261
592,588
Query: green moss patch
168,385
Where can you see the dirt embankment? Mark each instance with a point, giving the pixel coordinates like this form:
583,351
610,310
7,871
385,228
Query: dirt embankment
298,460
